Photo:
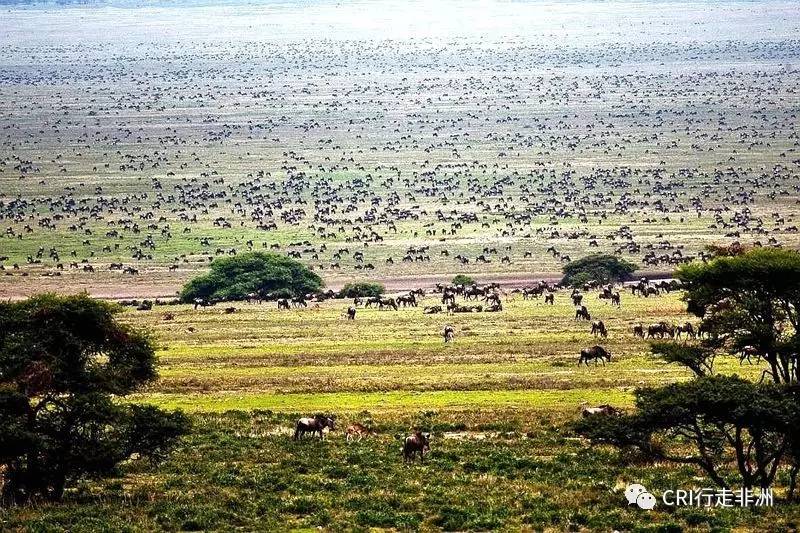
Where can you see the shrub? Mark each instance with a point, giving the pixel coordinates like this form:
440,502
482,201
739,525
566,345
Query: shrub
362,289
463,279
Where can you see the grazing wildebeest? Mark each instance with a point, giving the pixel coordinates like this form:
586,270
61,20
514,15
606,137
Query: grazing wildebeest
599,328
686,328
492,299
230,310
407,300
283,303
595,352
314,425
549,298
357,432
387,302
351,313
615,299
748,352
638,331
662,329
203,302
448,333
432,309
577,298
416,443
581,313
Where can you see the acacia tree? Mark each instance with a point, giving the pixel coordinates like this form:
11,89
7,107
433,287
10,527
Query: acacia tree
738,430
63,363
752,299
268,275
602,268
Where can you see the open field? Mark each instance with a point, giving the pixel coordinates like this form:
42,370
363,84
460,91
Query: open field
271,359
401,142
199,131
498,399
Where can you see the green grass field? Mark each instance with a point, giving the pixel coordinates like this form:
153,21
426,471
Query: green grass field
161,135
499,401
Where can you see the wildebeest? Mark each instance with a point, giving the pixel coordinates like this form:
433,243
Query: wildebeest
448,333
432,309
599,328
313,425
581,313
357,431
686,328
747,352
549,298
387,302
595,352
638,331
283,303
230,310
418,443
615,299
407,300
203,302
351,313
662,329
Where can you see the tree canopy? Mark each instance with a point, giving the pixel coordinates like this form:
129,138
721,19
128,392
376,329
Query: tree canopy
463,279
267,275
725,419
745,432
62,362
751,300
602,268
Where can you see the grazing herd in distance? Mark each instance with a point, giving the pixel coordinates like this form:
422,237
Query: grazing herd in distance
418,443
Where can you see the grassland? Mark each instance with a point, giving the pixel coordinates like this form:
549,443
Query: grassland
163,135
680,130
499,401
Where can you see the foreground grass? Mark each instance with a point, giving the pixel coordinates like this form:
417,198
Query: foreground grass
489,469
499,401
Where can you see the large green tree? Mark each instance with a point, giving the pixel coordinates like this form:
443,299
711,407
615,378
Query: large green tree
750,300
64,362
739,431
268,275
602,268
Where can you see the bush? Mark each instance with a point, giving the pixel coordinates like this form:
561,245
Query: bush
362,289
599,268
463,279
267,275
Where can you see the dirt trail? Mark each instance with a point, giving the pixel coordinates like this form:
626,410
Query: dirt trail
167,288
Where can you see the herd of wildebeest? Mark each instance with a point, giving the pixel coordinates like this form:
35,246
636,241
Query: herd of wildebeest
490,298
129,159
402,159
